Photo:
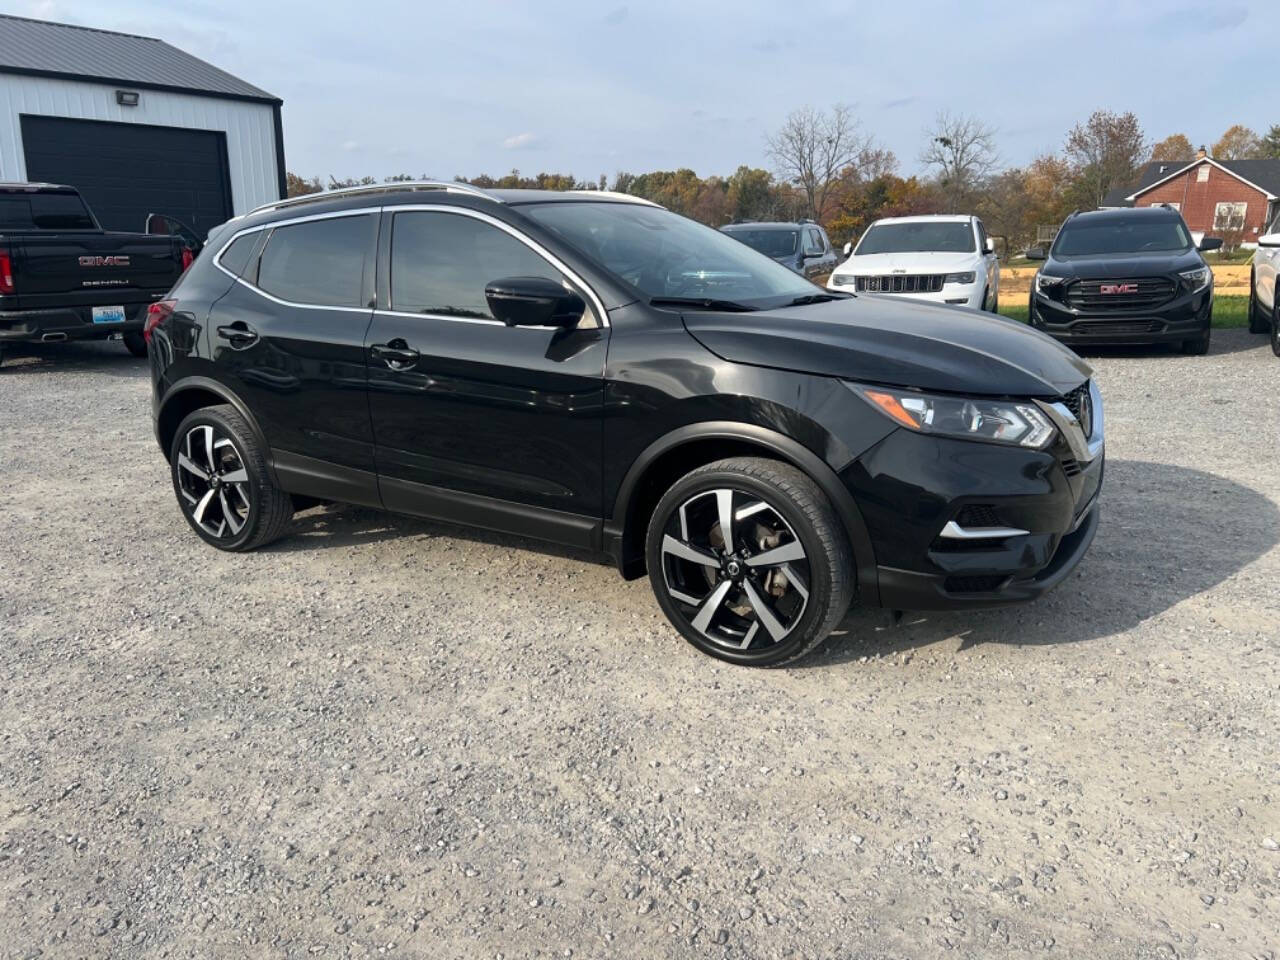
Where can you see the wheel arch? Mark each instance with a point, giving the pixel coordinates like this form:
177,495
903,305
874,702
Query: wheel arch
192,394
672,456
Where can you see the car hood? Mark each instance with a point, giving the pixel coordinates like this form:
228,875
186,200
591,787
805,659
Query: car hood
1121,265
903,343
881,263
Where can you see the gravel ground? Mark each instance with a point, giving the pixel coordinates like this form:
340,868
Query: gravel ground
383,736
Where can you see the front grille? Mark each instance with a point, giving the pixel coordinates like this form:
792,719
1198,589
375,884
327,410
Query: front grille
1105,296
1118,327
902,283
1077,402
974,584
978,515
1072,467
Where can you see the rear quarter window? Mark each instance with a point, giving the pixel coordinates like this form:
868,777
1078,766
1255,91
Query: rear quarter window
320,262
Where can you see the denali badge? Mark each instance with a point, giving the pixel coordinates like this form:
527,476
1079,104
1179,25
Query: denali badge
104,261
1118,288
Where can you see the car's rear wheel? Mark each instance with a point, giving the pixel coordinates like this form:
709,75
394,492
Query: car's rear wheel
136,344
770,589
1275,322
1258,322
222,483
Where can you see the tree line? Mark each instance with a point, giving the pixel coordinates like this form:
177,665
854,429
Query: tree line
824,166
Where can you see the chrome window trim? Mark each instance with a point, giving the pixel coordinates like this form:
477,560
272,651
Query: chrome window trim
596,303
332,215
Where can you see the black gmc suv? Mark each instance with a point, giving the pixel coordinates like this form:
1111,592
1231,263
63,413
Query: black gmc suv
62,277
592,369
1125,276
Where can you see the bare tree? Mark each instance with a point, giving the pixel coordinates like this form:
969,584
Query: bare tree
963,152
813,147
1104,152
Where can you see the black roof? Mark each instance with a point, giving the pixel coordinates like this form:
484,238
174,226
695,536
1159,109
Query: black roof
44,49
1263,173
768,225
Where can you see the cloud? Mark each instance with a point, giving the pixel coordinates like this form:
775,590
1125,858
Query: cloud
615,17
521,141
350,145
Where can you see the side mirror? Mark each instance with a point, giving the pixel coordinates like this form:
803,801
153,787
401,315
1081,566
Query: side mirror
534,302
848,248
811,252
1036,253
1210,243
989,246
1269,240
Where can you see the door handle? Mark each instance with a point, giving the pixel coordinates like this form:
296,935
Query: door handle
397,354
239,334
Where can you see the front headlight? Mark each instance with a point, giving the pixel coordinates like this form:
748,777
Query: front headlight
1193,281
843,279
1046,284
961,277
995,421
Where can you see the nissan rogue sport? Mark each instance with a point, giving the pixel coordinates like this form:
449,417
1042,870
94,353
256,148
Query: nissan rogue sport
594,370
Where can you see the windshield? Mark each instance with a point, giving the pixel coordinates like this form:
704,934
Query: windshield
772,243
923,237
43,211
1118,236
662,254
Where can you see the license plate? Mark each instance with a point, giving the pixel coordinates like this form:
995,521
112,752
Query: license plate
108,314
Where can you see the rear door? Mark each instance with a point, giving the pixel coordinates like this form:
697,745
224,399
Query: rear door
288,337
1267,268
467,407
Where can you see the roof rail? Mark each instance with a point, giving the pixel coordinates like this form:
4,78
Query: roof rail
616,195
398,186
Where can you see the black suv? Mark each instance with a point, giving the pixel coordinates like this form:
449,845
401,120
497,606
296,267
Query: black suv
803,246
595,370
1125,276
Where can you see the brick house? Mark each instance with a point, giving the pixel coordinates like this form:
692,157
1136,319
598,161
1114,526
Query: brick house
1214,196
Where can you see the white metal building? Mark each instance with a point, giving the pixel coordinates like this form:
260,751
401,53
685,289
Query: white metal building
136,124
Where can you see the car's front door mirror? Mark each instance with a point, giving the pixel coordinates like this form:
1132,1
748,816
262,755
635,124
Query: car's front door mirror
848,248
1036,253
1210,243
989,246
534,302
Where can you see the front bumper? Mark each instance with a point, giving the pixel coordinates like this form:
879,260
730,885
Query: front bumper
66,323
1185,318
911,488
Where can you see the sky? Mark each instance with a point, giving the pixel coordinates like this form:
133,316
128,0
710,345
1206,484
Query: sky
380,87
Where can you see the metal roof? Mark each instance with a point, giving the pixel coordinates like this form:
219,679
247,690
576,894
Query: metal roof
45,49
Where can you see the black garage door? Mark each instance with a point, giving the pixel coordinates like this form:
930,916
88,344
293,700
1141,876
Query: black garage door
127,170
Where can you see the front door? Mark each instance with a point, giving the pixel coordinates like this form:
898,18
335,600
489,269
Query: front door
289,338
473,420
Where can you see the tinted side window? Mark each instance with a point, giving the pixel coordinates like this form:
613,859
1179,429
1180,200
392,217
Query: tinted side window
320,262
441,263
236,257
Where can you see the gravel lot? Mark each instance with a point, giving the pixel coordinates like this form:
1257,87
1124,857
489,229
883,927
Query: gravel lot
387,736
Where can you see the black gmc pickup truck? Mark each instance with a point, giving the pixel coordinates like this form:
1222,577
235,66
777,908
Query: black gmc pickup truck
62,277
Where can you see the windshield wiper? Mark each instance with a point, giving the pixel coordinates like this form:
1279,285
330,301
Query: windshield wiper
817,298
707,303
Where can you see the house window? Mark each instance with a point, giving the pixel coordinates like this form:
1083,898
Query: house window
1174,206
1202,175
1229,216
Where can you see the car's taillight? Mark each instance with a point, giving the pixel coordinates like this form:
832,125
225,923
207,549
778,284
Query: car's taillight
186,258
6,272
157,314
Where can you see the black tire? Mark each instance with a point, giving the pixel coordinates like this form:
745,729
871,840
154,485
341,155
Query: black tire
1199,346
1275,322
1258,320
785,509
241,491
995,302
136,344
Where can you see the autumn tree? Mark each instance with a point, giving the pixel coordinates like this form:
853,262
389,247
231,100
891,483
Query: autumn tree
1173,147
1104,152
1238,143
296,186
813,147
961,150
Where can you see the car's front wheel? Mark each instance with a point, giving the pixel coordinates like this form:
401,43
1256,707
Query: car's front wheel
749,561
1200,345
1275,322
222,483
1257,316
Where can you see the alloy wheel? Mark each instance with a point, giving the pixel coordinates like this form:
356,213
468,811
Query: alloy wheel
736,569
213,482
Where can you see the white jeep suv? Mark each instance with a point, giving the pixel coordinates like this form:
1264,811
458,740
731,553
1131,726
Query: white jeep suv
943,258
